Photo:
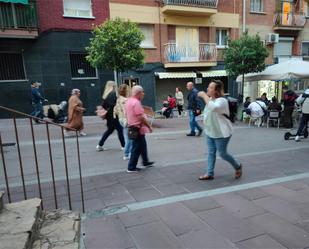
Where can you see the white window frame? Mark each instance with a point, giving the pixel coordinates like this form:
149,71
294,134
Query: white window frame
77,11
220,38
254,4
307,42
143,27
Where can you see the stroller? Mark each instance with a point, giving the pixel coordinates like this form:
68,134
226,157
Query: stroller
56,112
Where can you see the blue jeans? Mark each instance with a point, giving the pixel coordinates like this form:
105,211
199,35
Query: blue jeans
193,123
128,142
38,110
139,148
219,144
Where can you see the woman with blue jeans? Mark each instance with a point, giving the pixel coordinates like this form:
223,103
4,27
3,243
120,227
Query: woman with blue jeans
218,128
119,111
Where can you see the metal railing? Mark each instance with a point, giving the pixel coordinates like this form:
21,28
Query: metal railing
200,52
289,19
23,158
193,3
18,16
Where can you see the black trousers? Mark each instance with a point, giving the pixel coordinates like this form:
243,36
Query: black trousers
303,123
113,124
180,109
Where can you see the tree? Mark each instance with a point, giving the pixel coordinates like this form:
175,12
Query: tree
245,55
116,46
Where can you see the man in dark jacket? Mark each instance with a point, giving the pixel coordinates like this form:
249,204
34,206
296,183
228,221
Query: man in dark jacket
194,108
289,98
37,101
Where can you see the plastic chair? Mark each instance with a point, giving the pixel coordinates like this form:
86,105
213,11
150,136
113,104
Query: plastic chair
274,116
254,119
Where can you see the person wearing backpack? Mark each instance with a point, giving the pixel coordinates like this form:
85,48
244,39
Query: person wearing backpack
303,100
218,128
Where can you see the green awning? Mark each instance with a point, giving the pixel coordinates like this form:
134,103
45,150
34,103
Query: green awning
15,1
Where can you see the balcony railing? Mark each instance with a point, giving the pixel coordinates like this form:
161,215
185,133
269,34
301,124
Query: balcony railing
193,3
18,16
202,52
297,20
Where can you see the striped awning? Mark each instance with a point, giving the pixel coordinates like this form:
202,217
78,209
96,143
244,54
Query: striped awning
214,73
175,75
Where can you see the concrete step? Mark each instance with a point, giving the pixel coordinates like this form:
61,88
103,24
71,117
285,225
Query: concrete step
19,223
1,201
59,229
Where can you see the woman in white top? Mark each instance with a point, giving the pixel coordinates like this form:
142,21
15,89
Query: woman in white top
180,100
218,128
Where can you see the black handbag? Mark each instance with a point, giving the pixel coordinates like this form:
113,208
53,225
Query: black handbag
133,132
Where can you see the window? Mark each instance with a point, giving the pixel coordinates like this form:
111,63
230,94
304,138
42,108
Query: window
12,66
148,33
77,8
307,9
305,49
256,6
80,67
221,37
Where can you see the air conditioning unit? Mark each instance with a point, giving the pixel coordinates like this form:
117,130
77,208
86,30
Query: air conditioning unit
272,38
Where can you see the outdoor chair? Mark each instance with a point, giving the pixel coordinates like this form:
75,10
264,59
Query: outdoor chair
273,116
255,120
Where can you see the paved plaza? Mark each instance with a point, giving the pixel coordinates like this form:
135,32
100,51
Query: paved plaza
167,206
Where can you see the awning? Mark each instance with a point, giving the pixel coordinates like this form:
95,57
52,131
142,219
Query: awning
15,1
214,73
175,75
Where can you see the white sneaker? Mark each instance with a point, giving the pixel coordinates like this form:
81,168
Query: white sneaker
66,133
125,158
99,148
122,148
81,133
297,139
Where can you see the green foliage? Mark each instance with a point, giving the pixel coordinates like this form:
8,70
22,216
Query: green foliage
116,46
246,55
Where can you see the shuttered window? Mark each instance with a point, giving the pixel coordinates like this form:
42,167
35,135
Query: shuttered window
256,5
148,41
80,67
12,67
305,49
77,8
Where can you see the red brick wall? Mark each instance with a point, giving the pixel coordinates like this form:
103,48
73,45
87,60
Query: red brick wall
226,6
51,16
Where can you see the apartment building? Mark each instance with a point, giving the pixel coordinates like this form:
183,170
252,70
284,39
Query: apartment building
184,41
45,40
283,26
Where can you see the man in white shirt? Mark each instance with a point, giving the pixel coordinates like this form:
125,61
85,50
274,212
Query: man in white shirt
256,108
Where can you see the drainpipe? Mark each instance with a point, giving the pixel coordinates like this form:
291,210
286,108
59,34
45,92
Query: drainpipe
243,16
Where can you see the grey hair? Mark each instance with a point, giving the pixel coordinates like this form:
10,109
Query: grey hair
136,90
75,91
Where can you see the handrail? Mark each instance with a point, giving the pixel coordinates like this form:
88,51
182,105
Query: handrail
36,161
36,118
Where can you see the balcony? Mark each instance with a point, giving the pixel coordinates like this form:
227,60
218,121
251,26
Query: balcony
199,55
190,7
18,20
289,22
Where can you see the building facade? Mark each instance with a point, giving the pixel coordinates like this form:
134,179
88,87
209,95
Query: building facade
283,26
184,41
45,41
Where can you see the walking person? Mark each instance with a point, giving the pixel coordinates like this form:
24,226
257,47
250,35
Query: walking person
218,128
303,101
194,108
37,101
120,112
75,113
180,100
109,101
289,98
137,118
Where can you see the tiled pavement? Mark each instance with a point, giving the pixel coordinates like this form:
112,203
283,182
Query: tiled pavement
273,216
